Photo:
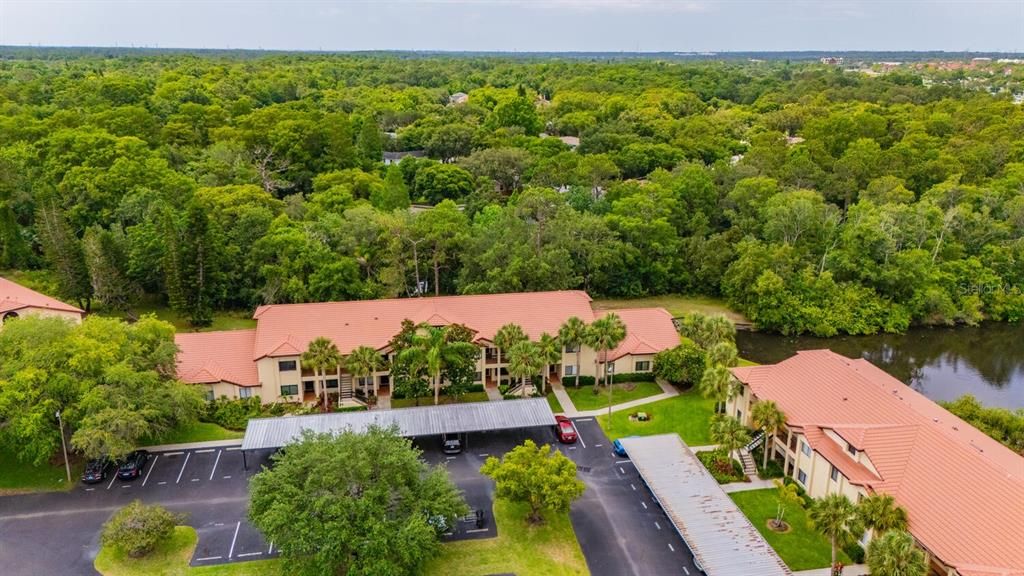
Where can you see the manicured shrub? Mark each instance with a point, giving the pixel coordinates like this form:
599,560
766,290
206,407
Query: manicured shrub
855,552
723,468
137,528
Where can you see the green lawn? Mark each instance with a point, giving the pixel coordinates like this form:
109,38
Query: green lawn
222,320
548,549
429,400
688,414
172,557
556,406
677,305
197,432
801,548
584,397
18,476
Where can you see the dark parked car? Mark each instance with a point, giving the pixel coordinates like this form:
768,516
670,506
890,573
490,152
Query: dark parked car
565,430
451,445
95,471
133,464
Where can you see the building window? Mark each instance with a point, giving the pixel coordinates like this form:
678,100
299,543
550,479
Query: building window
801,476
308,386
834,474
290,390
286,366
805,448
642,366
477,376
209,395
570,370
572,348
851,449
739,415
245,392
611,367
332,383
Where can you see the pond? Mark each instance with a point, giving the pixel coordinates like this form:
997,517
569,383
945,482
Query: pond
941,363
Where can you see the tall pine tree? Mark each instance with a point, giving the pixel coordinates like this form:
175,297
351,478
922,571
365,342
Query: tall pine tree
193,264
63,250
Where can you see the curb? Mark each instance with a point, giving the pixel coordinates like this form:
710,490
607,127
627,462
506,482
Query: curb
192,445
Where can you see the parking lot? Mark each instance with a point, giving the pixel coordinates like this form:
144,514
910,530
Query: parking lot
620,528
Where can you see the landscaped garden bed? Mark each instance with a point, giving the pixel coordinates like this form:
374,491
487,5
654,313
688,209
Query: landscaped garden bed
723,468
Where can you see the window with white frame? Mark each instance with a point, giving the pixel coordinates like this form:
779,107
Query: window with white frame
287,365
805,448
611,367
801,476
245,392
642,366
570,370
289,390
834,474
209,395
572,348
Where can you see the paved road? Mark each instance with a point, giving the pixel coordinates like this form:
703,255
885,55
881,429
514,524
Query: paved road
621,530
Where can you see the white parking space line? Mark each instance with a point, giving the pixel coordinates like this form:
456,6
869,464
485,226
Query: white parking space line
112,480
580,436
208,558
584,419
195,479
672,548
126,485
183,464
484,455
249,554
172,453
633,486
658,526
233,538
271,550
218,523
228,477
572,447
206,451
148,472
89,489
215,465
598,445
644,504
475,530
621,470
233,448
686,570
622,461
161,483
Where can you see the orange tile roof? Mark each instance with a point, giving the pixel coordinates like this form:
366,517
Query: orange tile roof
648,331
211,357
14,296
963,491
373,322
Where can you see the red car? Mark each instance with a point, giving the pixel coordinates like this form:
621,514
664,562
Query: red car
565,430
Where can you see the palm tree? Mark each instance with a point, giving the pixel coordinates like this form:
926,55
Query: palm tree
320,355
894,554
767,416
573,333
362,363
880,514
723,353
717,383
729,434
506,337
603,335
549,350
787,496
837,518
431,348
523,361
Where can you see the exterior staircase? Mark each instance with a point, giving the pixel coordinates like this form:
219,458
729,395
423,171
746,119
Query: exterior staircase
517,391
749,467
347,392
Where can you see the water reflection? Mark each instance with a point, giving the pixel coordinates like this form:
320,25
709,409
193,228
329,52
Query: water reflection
941,363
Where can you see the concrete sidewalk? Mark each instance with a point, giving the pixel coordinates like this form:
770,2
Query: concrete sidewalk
851,570
193,445
569,409
757,484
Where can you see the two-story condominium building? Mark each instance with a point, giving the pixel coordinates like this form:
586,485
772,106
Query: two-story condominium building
17,300
853,429
266,362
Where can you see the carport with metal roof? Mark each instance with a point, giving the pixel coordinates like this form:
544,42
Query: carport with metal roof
272,433
722,539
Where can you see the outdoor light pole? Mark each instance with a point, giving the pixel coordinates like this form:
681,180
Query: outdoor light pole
63,444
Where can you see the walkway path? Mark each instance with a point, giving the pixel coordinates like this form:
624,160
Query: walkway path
851,570
193,445
756,484
569,409
493,393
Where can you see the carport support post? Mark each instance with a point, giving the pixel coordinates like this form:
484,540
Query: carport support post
245,465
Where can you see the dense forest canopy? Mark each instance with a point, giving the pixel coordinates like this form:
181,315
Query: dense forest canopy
813,199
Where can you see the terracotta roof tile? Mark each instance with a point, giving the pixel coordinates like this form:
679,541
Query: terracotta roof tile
648,331
14,296
963,491
210,357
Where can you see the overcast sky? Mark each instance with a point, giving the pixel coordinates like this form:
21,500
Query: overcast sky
521,25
